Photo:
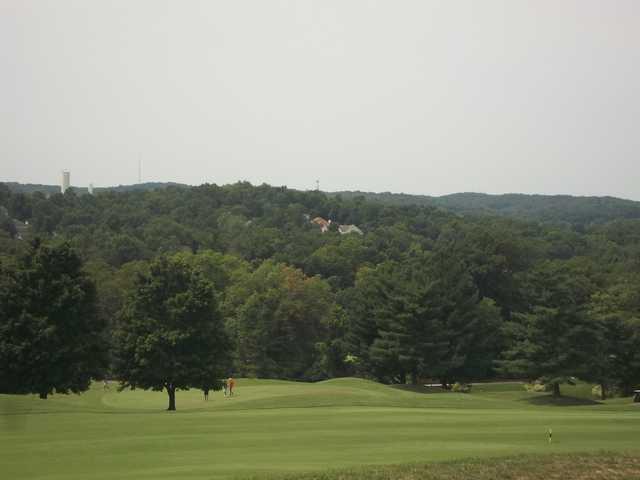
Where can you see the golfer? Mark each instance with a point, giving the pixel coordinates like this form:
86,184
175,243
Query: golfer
231,383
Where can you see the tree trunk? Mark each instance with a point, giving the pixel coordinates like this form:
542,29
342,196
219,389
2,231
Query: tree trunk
603,391
171,390
43,396
403,378
556,389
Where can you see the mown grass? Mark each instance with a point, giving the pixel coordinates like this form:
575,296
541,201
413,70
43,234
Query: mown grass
277,427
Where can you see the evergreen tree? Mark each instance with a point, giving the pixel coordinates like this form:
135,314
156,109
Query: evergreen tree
556,339
617,312
410,340
469,325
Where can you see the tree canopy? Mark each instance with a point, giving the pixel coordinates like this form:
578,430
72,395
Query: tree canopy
50,334
170,334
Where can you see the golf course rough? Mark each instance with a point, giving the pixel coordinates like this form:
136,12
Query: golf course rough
565,466
272,428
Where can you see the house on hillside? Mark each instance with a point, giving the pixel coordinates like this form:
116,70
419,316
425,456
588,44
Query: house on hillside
346,229
322,223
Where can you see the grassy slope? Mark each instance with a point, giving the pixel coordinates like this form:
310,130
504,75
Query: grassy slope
270,427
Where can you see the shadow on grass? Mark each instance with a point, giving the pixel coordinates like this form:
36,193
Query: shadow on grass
560,401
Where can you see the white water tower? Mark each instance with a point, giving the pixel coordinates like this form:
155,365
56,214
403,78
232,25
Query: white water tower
66,181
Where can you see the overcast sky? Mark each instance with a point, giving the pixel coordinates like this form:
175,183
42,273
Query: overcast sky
428,97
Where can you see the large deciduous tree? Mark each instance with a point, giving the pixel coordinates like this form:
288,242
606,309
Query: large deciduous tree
170,334
281,317
50,333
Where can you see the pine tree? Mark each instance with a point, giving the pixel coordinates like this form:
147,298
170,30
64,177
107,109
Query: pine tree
555,340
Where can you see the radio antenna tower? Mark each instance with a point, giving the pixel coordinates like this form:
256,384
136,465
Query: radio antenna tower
317,185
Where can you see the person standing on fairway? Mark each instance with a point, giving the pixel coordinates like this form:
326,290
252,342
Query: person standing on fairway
231,384
206,393
550,434
225,387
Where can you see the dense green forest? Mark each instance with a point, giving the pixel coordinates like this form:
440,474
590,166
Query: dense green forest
421,294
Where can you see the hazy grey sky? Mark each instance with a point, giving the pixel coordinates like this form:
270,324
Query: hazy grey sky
428,97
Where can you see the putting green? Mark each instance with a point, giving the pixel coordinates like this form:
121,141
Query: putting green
275,426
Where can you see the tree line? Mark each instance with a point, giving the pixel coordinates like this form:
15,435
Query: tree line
180,287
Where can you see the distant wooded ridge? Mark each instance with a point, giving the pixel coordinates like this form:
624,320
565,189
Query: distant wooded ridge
17,187
565,209
557,209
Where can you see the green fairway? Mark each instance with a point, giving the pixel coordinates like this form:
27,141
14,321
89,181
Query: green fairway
276,426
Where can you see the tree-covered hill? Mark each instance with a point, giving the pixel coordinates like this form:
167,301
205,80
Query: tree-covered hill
556,209
568,210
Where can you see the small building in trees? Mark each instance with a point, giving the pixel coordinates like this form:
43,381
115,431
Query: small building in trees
347,229
322,223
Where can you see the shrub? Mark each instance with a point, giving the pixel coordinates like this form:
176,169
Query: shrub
351,359
461,387
536,386
611,392
596,391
